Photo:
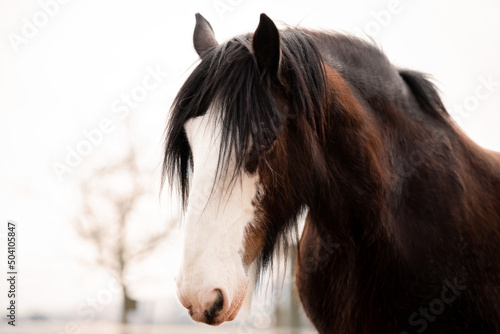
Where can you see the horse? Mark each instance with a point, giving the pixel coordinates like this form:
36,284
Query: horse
402,228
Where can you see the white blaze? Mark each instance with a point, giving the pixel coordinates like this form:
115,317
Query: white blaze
215,222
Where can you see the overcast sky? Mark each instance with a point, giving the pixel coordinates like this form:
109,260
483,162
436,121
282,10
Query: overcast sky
64,70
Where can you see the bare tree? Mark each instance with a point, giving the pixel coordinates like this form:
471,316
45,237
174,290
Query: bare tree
113,202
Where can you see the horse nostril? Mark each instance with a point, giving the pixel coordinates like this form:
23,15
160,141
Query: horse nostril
215,308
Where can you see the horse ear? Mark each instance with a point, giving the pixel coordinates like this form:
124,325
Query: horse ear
266,45
203,37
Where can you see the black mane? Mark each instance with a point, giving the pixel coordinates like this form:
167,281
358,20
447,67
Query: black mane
228,78
253,106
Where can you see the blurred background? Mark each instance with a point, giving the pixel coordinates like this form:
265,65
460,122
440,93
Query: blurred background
85,90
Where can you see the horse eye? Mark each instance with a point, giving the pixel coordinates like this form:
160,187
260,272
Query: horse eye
267,147
252,160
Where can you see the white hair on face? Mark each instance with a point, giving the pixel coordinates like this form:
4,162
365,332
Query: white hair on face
217,214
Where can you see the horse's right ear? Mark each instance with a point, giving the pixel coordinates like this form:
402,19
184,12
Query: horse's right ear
203,37
266,45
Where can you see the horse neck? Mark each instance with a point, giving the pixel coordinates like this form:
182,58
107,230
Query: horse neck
391,159
370,109
356,158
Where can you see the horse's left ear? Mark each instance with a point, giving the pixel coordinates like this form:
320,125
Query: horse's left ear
204,36
266,45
